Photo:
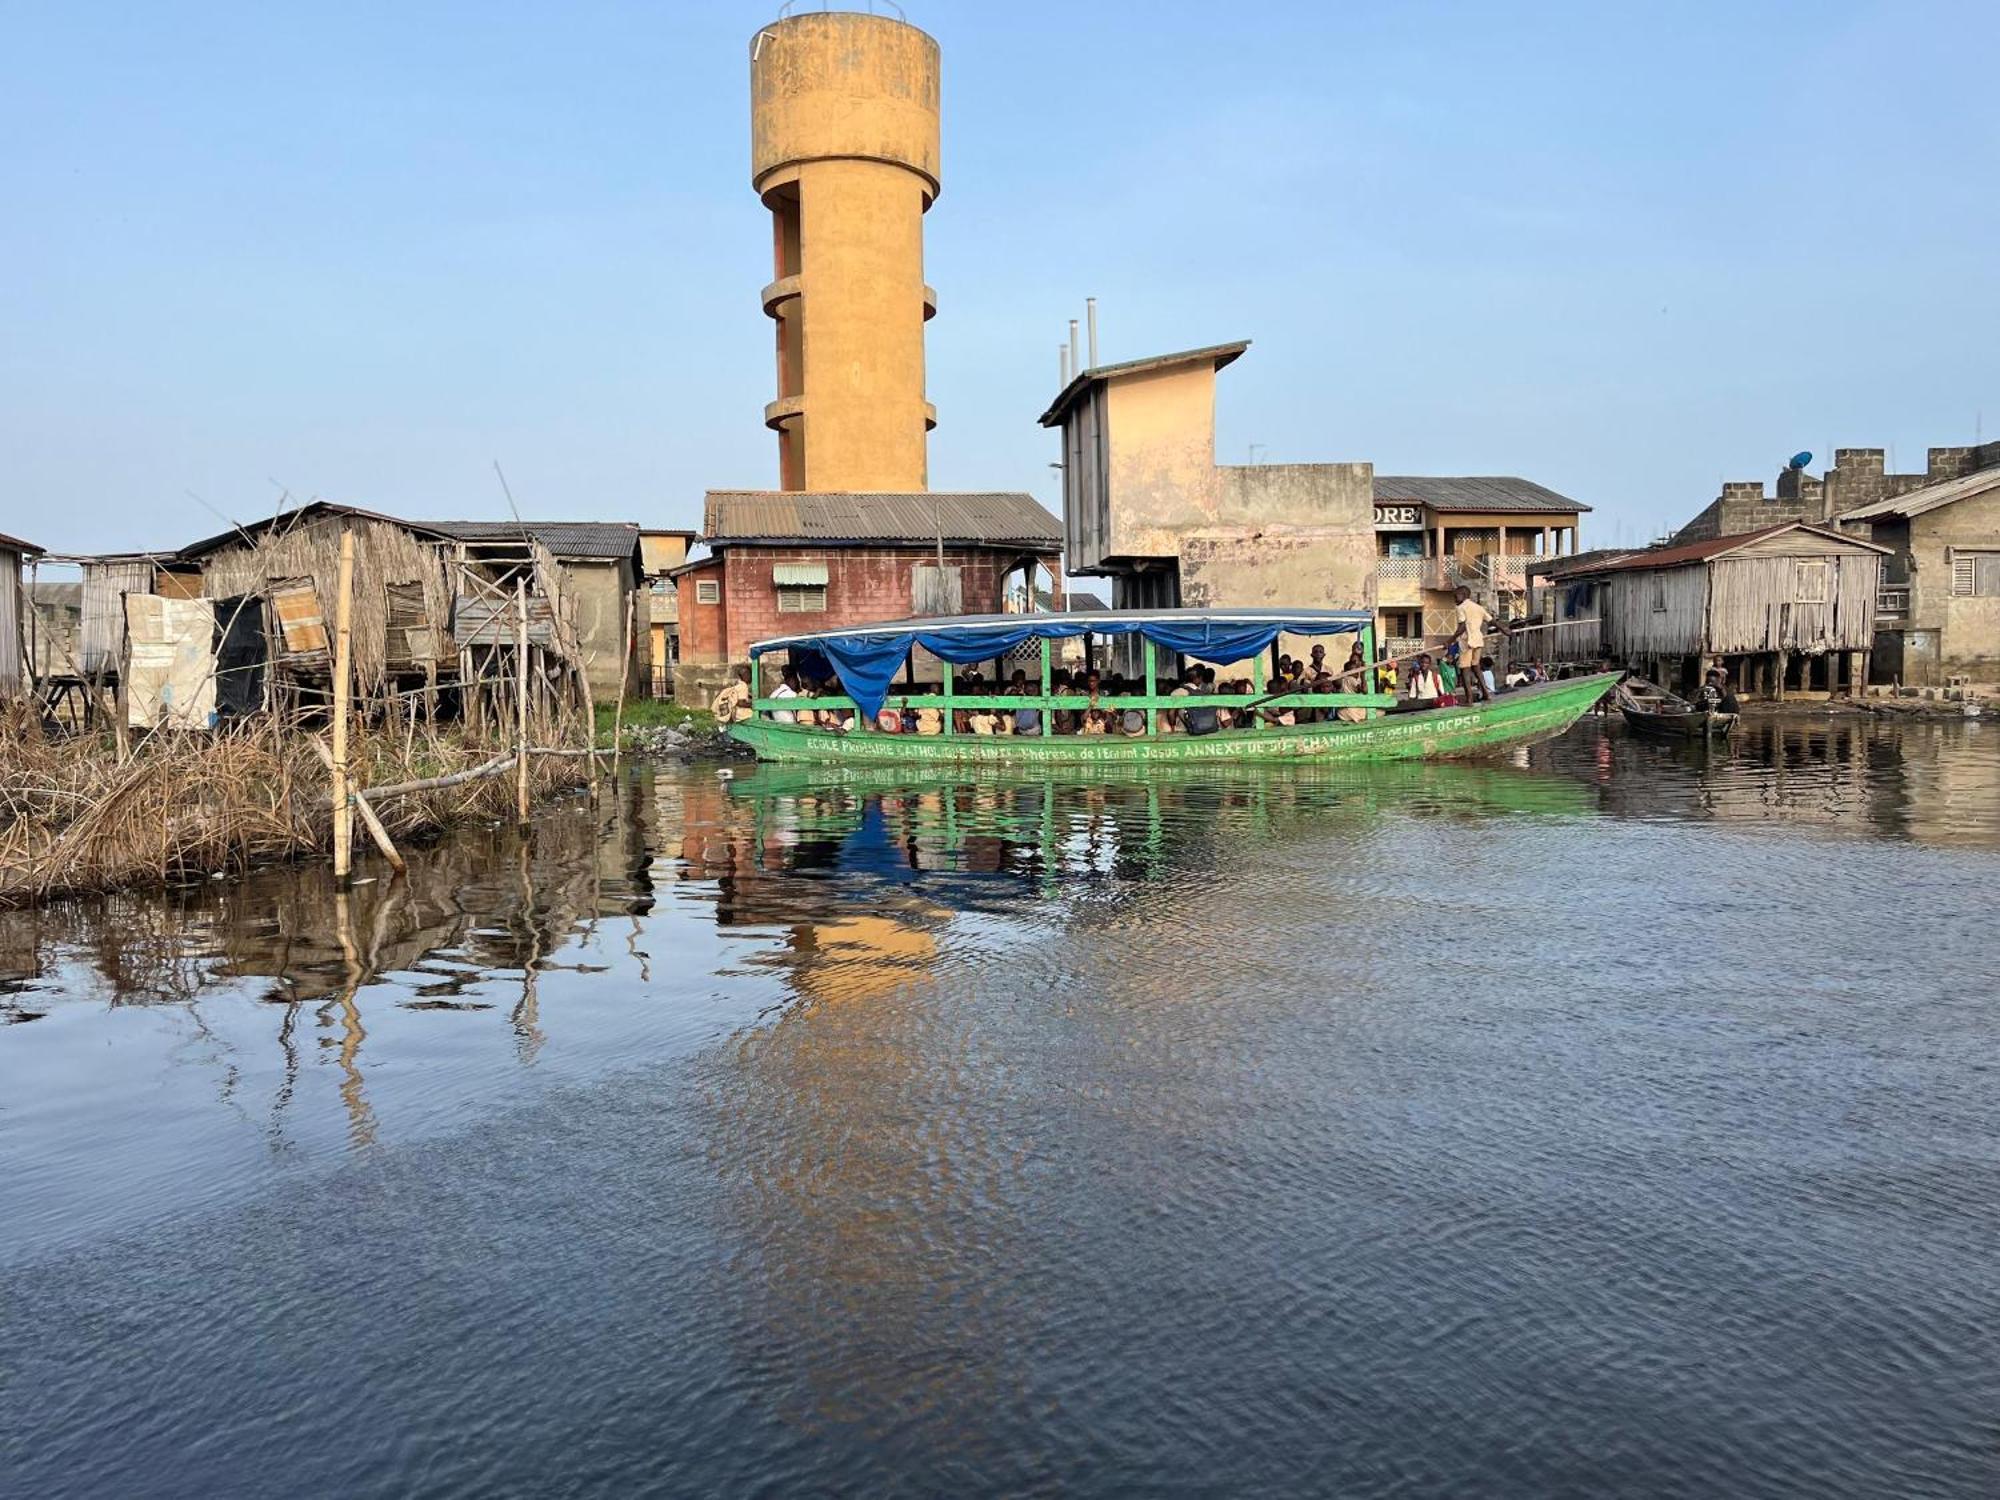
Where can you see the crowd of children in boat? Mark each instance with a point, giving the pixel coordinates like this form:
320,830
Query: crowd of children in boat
1424,682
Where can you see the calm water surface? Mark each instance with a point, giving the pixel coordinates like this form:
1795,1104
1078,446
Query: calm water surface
1625,1120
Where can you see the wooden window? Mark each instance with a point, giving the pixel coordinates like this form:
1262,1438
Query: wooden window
801,598
1809,582
707,591
1659,593
1975,574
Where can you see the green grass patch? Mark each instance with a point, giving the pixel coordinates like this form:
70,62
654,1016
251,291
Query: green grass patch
649,713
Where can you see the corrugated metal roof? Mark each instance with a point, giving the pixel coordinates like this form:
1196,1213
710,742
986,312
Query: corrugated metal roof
1219,354
995,518
593,540
1692,552
1489,492
1929,497
15,544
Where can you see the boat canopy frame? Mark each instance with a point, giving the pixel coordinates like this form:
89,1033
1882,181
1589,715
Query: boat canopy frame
866,658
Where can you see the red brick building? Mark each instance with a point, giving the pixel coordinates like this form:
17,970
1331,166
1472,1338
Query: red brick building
784,562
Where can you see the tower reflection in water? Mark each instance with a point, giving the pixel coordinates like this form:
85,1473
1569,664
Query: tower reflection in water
876,1139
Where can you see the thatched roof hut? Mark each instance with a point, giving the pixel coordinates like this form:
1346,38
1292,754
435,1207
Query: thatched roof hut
402,595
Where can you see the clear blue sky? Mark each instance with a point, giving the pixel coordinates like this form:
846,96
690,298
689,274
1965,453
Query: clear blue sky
363,250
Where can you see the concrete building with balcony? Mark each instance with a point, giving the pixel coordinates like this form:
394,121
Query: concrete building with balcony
1146,506
1434,534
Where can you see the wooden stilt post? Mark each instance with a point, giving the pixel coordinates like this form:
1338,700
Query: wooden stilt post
521,702
1783,663
343,672
618,714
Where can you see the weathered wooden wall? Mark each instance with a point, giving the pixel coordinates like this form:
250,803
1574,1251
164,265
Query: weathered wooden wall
11,677
105,585
383,555
1634,627
1755,604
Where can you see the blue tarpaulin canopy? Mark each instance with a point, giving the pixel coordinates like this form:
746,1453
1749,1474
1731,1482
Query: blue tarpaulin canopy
867,657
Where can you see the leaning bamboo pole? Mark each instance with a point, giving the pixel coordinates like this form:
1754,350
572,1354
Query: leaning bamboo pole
368,818
343,671
521,702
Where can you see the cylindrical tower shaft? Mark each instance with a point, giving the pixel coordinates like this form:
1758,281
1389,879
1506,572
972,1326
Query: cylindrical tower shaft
844,152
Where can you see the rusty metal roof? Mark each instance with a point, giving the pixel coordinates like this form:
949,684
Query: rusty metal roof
1717,546
1475,492
976,518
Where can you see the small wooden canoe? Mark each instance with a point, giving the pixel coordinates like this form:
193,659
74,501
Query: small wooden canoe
1678,724
1651,709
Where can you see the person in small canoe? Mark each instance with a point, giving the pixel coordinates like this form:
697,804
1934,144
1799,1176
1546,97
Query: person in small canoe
1714,694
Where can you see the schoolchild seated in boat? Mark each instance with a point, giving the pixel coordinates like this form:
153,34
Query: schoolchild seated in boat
1353,679
1201,720
1026,720
788,687
1425,689
1486,676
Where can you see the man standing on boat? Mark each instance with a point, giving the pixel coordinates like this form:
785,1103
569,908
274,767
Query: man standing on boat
1469,641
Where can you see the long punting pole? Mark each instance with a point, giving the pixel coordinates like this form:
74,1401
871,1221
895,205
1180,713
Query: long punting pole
343,672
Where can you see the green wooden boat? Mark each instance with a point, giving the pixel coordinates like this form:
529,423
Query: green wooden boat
868,658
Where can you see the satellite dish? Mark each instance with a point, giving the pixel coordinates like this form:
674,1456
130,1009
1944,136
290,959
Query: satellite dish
1799,461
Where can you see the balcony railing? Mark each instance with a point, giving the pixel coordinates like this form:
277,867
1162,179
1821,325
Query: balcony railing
1510,572
1892,601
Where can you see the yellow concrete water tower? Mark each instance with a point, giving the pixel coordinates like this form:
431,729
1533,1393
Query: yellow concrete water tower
844,152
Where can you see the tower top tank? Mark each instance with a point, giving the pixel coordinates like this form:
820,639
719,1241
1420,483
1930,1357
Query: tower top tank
842,84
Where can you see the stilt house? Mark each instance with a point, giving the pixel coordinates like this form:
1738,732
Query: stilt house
1789,606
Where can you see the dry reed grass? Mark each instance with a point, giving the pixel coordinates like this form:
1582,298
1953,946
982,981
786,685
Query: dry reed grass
74,818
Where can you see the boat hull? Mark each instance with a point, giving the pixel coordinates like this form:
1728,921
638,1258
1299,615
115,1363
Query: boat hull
1516,718
1694,725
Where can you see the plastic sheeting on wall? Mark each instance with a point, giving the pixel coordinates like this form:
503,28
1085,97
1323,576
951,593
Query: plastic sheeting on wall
170,666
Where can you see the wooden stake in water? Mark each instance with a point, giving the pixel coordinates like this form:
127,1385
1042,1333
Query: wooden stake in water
343,671
521,703
624,671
